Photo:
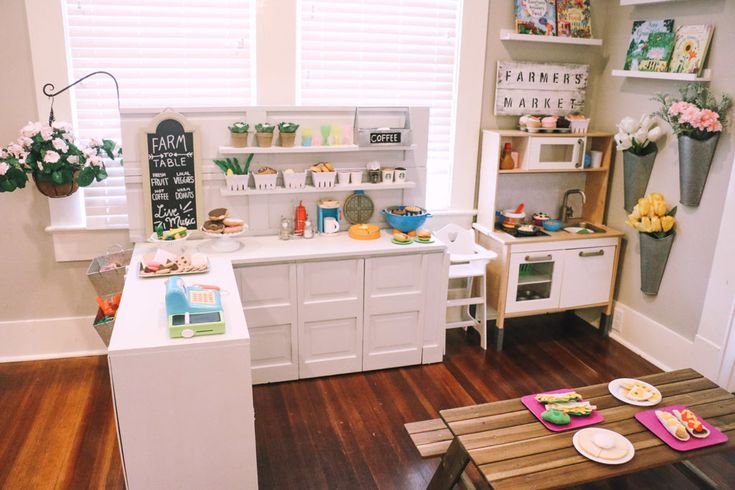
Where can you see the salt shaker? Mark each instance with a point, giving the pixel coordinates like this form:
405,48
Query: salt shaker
285,231
308,229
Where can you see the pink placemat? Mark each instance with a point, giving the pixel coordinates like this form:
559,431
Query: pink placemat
536,408
650,421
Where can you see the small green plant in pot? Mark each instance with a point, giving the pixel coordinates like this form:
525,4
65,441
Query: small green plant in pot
239,134
264,134
287,130
236,175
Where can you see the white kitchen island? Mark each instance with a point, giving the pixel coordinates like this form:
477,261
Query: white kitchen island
328,305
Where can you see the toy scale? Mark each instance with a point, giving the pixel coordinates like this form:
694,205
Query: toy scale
194,310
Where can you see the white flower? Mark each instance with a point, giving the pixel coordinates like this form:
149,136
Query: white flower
655,133
31,129
647,121
624,141
95,161
73,159
16,150
47,132
641,135
628,125
60,145
94,142
4,167
25,141
51,157
89,152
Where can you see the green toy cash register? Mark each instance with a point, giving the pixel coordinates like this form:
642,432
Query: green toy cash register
194,310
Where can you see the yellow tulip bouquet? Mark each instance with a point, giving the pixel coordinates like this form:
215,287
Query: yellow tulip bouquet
652,216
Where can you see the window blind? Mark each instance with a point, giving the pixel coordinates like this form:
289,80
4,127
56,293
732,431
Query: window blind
386,52
164,53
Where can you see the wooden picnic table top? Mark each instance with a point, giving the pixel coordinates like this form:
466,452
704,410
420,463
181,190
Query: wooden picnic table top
512,449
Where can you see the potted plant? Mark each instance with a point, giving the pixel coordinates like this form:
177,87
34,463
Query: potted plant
697,118
264,134
655,223
59,165
287,131
12,172
239,134
236,176
636,139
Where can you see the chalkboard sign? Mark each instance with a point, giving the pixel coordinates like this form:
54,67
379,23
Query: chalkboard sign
385,137
171,173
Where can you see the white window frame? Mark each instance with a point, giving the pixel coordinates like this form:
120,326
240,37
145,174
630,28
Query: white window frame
276,24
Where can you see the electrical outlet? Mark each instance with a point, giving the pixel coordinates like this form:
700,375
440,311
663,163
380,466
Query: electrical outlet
618,315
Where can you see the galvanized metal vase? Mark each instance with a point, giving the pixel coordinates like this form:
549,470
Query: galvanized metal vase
695,158
654,255
636,172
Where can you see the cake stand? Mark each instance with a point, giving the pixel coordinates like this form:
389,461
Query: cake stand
224,242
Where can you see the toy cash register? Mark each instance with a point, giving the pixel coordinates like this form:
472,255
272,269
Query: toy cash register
193,310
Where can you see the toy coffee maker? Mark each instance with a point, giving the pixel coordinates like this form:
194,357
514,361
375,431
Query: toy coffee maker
329,216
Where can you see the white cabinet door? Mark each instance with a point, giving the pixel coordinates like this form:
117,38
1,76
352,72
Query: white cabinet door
269,299
394,311
588,274
534,281
330,317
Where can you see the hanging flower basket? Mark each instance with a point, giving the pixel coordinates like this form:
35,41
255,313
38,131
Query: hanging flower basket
636,174
695,160
654,255
50,189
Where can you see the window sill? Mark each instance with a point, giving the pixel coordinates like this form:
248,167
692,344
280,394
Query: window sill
80,243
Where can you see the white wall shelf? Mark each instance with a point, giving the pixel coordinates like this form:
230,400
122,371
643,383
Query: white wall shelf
511,35
231,150
311,189
682,77
645,2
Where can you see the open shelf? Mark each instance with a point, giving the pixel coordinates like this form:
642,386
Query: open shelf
311,189
645,2
511,35
550,170
533,279
232,150
658,75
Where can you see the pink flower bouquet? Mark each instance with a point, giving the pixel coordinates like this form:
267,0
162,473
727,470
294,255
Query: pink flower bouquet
696,113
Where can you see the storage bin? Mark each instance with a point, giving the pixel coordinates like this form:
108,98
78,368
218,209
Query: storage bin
296,180
237,182
112,280
265,181
104,328
579,125
323,179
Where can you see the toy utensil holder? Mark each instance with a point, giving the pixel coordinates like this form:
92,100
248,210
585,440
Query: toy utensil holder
383,126
105,278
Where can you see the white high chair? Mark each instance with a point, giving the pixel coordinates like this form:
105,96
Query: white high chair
468,261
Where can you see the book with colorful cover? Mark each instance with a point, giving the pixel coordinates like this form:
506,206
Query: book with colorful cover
574,18
536,17
690,48
658,51
638,48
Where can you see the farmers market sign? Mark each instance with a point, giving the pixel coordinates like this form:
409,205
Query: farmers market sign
539,88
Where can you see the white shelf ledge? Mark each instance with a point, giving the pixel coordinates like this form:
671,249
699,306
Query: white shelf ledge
311,189
645,2
657,75
231,150
510,35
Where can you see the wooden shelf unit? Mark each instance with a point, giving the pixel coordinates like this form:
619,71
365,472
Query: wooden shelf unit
511,35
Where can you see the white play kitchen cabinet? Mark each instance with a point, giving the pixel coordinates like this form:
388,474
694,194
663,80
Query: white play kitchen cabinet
324,317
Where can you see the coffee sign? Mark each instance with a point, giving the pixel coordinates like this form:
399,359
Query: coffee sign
539,88
171,173
385,137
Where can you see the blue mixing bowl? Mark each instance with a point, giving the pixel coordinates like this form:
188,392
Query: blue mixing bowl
405,224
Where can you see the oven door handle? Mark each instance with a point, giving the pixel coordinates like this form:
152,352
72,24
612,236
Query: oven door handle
538,258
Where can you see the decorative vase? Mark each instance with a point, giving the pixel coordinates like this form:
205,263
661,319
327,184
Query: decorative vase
50,189
288,139
654,255
239,140
636,173
264,139
695,159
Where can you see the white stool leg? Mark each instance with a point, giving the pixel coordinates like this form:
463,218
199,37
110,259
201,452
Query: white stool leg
483,313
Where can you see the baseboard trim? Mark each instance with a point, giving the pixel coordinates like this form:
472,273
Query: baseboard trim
656,362
49,338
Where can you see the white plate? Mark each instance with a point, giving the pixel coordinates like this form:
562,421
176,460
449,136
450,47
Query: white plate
154,238
580,450
614,387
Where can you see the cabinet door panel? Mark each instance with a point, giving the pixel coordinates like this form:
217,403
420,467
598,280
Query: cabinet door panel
330,317
534,281
394,311
270,303
588,274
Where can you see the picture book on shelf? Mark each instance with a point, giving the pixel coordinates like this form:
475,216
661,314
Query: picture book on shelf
658,51
536,17
574,18
638,48
690,48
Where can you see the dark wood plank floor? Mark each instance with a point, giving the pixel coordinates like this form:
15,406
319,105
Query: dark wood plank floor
57,427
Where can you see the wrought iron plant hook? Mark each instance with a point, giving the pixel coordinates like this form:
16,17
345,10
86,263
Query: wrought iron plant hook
48,91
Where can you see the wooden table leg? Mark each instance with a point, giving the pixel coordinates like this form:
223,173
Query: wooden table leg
450,468
695,475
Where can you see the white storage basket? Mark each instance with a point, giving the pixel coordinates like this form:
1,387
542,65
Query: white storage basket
580,125
265,181
323,179
296,180
237,182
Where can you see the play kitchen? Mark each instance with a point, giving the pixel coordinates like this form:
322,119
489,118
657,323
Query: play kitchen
544,217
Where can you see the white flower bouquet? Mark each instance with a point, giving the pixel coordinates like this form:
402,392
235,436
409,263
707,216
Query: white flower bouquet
638,137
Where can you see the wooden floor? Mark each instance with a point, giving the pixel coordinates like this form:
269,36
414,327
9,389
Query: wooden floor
57,428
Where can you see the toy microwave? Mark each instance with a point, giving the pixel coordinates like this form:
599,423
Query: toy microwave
193,310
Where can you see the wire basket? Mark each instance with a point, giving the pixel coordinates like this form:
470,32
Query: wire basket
107,272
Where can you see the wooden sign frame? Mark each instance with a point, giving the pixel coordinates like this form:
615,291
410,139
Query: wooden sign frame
152,128
525,87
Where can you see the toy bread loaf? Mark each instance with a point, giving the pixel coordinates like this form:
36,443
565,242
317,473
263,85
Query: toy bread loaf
568,396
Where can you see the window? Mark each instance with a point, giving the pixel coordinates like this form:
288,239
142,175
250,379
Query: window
386,52
163,53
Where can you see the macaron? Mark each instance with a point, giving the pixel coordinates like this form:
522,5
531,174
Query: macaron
233,229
